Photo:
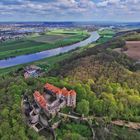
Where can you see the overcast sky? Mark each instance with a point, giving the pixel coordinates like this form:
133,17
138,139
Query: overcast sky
69,10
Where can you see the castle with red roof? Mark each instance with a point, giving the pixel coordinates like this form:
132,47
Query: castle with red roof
44,106
61,98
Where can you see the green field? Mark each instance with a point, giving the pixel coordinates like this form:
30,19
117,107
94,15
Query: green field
48,38
106,35
107,32
37,43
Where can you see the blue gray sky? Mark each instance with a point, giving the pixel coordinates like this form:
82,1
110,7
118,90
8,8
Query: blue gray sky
69,10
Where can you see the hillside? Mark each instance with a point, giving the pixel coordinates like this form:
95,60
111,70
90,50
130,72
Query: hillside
112,74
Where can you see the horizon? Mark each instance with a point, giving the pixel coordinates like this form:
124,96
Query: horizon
69,10
67,21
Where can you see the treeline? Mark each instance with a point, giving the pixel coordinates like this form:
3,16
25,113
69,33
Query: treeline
123,33
134,36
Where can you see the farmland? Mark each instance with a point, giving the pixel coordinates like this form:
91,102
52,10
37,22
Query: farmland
48,38
106,34
131,45
33,44
132,49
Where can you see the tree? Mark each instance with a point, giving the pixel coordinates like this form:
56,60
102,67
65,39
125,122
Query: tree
5,113
81,92
98,107
110,105
73,136
91,97
83,107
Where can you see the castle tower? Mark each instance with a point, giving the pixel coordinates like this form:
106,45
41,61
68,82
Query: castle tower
72,98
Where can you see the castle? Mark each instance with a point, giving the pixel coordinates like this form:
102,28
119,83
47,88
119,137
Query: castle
55,98
46,105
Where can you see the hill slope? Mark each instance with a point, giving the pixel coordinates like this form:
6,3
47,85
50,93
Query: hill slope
111,77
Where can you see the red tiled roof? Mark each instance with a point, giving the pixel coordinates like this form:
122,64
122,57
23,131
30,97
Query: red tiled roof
65,92
57,90
72,92
53,88
40,99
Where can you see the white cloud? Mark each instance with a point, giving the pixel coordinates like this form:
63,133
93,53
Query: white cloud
71,9
107,2
102,4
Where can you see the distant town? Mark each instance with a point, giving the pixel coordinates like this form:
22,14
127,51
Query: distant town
10,31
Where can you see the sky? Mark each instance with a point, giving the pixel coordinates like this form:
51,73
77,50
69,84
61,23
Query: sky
70,10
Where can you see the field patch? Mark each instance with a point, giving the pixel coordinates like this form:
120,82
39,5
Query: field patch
49,38
133,49
18,44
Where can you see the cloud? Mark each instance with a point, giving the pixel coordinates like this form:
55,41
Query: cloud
108,2
69,9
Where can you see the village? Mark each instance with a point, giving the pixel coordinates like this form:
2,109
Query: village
16,31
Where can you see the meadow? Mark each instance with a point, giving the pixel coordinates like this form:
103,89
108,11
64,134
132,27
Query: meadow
106,34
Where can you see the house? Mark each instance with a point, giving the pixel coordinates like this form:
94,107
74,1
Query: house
32,71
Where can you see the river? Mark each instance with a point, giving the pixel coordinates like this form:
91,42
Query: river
22,59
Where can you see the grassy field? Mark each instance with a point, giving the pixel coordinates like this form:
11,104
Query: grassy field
33,44
50,38
106,35
108,32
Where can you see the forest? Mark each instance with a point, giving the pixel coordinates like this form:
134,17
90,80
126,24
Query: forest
112,77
